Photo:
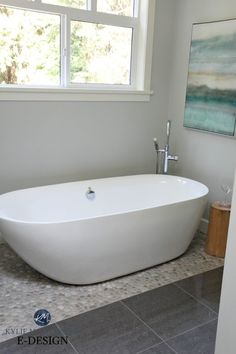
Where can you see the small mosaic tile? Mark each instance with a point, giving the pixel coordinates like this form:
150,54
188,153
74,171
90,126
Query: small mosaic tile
24,290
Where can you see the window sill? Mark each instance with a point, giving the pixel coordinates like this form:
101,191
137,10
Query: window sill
60,94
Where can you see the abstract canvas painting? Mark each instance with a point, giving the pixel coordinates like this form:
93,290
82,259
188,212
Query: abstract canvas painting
211,87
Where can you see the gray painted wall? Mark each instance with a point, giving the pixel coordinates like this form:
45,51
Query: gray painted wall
208,158
49,142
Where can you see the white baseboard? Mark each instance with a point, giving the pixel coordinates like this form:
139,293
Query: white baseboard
203,227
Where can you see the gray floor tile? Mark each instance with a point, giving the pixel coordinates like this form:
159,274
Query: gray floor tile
12,347
169,311
205,287
200,340
159,349
110,329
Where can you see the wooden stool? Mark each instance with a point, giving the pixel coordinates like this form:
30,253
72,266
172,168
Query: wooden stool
218,230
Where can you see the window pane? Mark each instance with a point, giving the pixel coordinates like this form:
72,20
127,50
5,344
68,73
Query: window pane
117,7
100,53
80,4
29,47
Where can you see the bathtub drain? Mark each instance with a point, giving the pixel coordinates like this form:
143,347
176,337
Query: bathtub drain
90,194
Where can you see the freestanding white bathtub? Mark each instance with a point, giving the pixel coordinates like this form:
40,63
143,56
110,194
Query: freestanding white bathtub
133,223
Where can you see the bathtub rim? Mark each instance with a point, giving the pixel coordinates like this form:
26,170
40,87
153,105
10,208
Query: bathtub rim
53,222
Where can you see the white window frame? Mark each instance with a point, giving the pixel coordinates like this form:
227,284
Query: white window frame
141,61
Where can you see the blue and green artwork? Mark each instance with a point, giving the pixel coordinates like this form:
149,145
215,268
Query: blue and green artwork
211,87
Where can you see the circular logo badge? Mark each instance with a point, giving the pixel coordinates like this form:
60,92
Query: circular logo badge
42,317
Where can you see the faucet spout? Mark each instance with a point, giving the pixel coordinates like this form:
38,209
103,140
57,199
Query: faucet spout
173,157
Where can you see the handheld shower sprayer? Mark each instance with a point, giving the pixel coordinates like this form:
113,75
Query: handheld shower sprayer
155,144
168,127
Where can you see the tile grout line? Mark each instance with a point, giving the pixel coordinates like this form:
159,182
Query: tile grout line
152,346
191,329
143,322
165,340
196,299
59,328
171,348
156,346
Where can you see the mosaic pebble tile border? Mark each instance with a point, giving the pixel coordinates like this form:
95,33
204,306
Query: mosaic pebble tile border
24,291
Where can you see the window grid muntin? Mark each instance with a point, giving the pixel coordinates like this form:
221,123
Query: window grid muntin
67,15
